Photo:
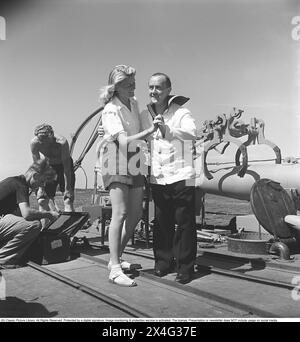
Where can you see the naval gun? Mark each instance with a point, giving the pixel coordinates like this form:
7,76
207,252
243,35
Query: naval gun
272,188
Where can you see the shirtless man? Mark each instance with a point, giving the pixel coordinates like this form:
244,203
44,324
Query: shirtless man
56,149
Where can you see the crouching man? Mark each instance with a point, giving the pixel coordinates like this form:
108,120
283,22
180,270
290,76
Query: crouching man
19,224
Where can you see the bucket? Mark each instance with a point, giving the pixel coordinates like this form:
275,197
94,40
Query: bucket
248,243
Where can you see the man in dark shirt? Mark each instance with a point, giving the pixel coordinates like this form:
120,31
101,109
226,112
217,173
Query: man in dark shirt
19,224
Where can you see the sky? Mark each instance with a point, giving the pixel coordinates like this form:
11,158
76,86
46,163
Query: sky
222,54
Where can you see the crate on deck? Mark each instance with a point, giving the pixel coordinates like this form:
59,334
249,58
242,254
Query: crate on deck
54,242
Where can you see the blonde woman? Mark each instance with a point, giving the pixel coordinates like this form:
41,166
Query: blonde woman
121,124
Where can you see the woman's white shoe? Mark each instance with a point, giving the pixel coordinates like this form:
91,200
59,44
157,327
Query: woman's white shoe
117,276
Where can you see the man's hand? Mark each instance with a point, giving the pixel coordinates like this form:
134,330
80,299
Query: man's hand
69,194
41,193
159,123
68,200
100,131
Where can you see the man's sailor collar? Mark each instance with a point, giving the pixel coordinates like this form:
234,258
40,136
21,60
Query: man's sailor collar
178,99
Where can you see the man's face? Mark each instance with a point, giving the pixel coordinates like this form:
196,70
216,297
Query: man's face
40,179
45,138
36,181
158,90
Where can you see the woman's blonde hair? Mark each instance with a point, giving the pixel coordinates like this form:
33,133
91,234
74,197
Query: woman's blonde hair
117,75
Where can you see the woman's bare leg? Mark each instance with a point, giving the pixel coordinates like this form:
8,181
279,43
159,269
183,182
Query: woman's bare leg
119,201
134,214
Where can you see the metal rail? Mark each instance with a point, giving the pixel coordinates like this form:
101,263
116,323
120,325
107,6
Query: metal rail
248,277
90,291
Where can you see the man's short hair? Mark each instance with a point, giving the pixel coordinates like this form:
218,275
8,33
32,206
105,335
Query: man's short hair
42,167
44,129
167,78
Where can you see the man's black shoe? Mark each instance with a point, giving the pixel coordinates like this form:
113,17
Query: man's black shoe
160,273
183,278
11,266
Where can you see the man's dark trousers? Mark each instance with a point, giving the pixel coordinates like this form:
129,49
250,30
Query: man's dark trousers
174,205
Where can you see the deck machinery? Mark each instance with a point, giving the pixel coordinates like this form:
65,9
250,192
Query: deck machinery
272,188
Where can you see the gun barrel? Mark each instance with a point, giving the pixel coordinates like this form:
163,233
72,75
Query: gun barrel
227,183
